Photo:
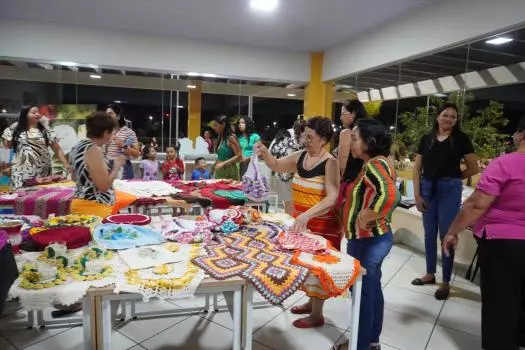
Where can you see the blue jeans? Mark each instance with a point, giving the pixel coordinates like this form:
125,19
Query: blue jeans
371,252
127,171
443,199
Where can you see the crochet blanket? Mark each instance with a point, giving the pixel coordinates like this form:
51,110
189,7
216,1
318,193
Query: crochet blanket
44,201
252,255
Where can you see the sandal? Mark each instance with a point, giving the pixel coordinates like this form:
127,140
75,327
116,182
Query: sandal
421,282
301,310
338,346
301,323
442,293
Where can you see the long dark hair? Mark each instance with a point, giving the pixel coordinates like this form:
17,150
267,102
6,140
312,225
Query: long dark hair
227,132
249,129
355,106
119,111
448,105
23,126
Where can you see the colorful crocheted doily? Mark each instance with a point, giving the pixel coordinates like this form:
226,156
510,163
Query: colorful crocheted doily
255,258
330,275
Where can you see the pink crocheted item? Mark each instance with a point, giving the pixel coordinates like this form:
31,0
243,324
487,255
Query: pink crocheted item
299,241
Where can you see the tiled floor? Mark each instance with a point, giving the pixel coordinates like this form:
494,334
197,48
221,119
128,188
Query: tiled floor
414,320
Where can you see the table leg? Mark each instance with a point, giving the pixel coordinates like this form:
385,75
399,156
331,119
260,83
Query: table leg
237,319
247,324
86,323
105,340
356,309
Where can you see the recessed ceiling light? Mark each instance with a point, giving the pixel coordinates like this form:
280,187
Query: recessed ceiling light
150,117
264,5
4,110
499,41
117,101
291,95
69,64
95,76
191,86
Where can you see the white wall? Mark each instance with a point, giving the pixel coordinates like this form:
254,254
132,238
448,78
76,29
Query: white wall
430,29
53,42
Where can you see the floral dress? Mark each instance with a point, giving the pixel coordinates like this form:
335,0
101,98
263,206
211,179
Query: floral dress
282,148
32,158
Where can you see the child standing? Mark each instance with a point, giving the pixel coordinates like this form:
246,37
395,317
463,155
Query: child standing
200,172
149,164
173,167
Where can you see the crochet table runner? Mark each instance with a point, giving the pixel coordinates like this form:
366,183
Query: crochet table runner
251,255
44,201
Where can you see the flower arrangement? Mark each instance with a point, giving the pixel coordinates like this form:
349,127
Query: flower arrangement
55,254
34,276
88,266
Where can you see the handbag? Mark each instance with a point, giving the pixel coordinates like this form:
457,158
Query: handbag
254,184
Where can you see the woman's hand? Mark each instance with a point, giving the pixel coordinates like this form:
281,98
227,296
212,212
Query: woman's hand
300,223
119,162
366,219
219,165
260,149
450,242
421,205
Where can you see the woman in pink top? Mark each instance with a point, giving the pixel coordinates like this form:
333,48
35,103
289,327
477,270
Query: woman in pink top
497,207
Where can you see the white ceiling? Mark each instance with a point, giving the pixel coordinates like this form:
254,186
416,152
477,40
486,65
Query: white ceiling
303,25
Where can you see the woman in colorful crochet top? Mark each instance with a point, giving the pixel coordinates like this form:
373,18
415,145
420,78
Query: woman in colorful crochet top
314,193
369,203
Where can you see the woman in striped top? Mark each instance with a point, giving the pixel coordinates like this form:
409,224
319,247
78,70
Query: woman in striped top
314,192
369,203
123,143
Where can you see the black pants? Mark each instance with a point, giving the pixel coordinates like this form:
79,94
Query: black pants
8,273
502,286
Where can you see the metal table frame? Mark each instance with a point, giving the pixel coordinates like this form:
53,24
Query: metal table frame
238,295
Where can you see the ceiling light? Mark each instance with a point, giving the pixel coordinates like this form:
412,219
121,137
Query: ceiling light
264,5
191,86
193,74
150,117
117,101
95,76
4,110
180,107
209,75
291,95
69,64
440,95
499,41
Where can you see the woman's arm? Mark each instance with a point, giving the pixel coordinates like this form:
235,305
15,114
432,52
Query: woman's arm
60,155
416,178
98,171
343,152
386,194
286,164
132,150
332,180
471,162
237,153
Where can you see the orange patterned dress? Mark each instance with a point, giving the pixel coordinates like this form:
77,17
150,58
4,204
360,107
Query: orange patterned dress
308,189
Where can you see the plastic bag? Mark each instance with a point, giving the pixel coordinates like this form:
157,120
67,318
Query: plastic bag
254,184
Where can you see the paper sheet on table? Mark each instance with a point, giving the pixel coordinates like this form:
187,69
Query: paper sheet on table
136,261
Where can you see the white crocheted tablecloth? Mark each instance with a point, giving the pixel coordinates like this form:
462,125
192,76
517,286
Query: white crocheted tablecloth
66,294
145,189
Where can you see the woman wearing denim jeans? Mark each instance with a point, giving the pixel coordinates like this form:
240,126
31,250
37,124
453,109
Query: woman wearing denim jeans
370,201
438,186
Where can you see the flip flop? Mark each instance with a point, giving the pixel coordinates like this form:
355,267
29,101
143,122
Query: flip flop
301,323
301,310
421,282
